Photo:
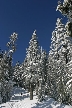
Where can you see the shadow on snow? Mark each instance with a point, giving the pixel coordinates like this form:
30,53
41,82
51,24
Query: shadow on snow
49,103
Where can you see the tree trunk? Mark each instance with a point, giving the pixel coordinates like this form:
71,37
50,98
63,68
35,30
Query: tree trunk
66,59
0,99
29,88
31,92
36,89
37,85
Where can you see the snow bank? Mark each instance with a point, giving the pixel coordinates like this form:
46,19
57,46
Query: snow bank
23,101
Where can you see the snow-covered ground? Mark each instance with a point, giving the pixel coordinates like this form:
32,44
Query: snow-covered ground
23,101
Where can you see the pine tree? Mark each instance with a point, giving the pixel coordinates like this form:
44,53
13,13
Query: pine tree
18,71
54,57
1,74
59,56
69,82
24,74
42,75
6,68
66,9
33,56
11,49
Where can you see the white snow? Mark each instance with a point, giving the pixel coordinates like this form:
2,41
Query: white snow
11,51
23,101
69,81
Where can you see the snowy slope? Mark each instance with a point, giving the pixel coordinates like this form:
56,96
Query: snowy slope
23,101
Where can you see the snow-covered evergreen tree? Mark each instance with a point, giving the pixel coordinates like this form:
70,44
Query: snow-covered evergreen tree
66,9
24,74
16,73
41,90
43,62
42,75
33,57
11,49
59,56
54,56
69,81
6,68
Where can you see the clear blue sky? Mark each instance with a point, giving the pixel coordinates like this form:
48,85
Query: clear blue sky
24,16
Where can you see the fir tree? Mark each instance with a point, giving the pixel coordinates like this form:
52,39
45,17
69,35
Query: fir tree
54,56
6,68
42,75
33,56
16,73
69,82
11,49
24,74
66,9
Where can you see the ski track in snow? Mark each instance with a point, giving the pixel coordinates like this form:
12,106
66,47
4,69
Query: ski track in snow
23,101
